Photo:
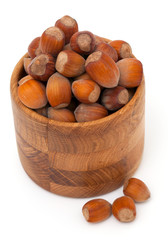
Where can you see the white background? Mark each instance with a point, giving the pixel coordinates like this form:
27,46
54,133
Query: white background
31,213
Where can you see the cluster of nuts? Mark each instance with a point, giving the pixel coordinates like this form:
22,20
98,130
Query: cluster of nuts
77,76
123,208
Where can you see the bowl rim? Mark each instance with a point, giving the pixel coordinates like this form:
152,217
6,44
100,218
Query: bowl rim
18,71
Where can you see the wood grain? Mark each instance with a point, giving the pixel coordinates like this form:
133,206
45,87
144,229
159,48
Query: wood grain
79,159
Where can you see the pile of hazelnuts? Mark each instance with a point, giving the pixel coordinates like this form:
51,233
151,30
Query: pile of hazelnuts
76,76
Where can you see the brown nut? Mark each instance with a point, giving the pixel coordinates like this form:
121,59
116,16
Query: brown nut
86,91
52,41
123,48
96,210
101,39
67,47
42,67
68,25
83,42
32,93
83,76
25,79
43,111
26,63
109,50
61,115
102,69
136,189
131,72
89,112
123,209
33,48
70,63
58,91
115,98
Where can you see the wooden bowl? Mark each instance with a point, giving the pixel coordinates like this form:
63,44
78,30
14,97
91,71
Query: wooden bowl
79,159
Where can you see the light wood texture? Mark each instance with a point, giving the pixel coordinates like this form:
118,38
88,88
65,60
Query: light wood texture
79,159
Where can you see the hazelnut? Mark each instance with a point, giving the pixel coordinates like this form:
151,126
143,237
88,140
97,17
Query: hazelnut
102,69
26,63
123,48
58,91
83,76
70,63
123,209
89,112
43,111
96,210
109,50
83,42
131,72
33,48
52,41
101,39
115,98
25,79
68,25
86,91
67,47
136,189
42,67
62,115
32,93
